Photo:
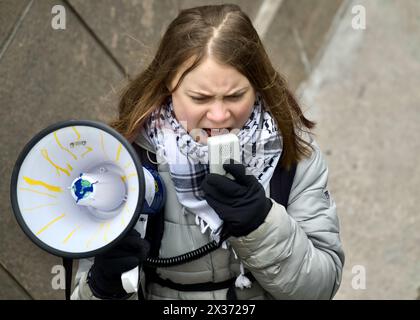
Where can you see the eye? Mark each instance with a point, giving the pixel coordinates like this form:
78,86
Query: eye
199,99
234,97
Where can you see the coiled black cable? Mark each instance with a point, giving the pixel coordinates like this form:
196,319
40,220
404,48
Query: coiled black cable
186,257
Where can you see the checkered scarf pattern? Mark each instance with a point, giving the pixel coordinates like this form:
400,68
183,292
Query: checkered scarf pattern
260,143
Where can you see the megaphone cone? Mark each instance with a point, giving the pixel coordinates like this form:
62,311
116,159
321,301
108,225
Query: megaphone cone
77,188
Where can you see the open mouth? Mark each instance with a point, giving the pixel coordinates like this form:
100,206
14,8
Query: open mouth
216,131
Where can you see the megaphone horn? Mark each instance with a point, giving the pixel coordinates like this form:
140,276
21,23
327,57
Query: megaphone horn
78,187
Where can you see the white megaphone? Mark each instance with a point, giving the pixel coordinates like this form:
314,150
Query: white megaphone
78,187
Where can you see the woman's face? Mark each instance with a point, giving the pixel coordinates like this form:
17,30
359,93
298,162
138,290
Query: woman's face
212,99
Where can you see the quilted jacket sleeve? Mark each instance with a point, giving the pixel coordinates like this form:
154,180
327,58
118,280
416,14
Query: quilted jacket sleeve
297,254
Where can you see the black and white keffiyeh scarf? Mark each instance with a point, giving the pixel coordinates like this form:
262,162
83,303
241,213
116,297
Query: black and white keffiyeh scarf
260,143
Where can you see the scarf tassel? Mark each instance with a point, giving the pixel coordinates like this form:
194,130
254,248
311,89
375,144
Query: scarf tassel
242,280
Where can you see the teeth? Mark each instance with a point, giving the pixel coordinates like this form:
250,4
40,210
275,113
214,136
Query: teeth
217,131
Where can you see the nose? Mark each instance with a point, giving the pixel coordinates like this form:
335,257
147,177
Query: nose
218,113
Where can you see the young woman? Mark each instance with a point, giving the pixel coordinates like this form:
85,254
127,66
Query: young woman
211,75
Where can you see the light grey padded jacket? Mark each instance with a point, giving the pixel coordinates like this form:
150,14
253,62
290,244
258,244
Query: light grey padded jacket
294,254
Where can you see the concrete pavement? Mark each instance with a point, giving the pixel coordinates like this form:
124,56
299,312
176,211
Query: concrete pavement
365,96
361,87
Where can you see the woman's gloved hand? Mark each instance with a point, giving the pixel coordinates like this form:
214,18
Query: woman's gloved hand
105,275
240,203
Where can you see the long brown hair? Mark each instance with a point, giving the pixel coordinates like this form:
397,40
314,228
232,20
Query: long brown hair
226,33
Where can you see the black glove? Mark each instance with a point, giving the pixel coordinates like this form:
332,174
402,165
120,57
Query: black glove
105,275
240,203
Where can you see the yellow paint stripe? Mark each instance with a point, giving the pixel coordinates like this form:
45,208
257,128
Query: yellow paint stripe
70,235
125,211
103,146
44,153
118,153
127,208
124,178
34,182
49,224
34,191
61,146
122,216
77,133
41,206
127,165
89,149
93,238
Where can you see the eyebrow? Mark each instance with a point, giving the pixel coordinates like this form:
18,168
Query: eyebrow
232,94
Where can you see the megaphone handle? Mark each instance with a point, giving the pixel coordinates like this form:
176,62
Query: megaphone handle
130,279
